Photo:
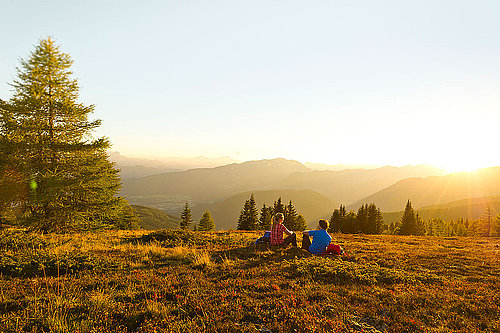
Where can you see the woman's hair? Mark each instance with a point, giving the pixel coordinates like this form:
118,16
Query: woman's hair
276,218
323,224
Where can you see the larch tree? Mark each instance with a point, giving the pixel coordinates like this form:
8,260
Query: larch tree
186,217
206,222
61,171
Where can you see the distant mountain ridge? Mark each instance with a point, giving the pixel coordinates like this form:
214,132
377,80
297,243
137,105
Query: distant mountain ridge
350,185
436,190
133,167
212,184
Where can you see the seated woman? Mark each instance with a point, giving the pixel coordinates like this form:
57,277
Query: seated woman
321,238
277,231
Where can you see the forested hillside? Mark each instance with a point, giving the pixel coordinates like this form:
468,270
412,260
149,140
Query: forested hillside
471,209
153,219
310,204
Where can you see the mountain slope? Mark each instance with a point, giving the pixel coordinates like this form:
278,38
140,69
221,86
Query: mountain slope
471,209
152,218
310,204
214,183
436,190
348,186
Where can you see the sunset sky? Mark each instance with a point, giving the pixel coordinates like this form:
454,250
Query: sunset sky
373,82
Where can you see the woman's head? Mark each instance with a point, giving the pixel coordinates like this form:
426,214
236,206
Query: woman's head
279,217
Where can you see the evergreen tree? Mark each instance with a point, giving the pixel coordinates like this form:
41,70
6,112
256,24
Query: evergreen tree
243,218
497,225
253,213
206,222
362,219
334,221
349,225
265,217
301,223
486,222
186,217
248,219
375,220
290,217
337,220
278,207
410,223
64,174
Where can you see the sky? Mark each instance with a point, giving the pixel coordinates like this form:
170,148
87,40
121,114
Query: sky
370,82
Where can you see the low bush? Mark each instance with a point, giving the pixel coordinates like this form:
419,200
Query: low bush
335,270
174,238
34,262
20,239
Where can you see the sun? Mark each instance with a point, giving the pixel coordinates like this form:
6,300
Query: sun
463,166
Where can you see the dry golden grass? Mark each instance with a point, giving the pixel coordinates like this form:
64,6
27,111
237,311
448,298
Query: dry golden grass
220,282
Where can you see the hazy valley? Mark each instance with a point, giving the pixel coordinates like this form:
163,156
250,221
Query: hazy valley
316,193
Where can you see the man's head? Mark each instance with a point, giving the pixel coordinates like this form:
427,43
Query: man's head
323,224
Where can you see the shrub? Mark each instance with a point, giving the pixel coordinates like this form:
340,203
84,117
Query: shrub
340,271
19,239
43,262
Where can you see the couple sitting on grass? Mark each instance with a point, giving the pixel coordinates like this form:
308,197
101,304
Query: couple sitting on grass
320,242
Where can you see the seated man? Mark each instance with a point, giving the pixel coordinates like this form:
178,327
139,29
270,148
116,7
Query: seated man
321,238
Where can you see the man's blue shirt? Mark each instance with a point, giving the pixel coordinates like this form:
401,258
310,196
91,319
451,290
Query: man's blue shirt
321,240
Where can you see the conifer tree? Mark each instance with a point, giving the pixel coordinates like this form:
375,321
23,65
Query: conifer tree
337,220
362,219
497,225
243,218
301,223
486,222
290,217
410,223
64,173
375,220
349,225
186,217
249,215
206,222
253,213
278,207
265,217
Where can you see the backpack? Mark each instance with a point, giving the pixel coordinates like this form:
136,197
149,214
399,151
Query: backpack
264,239
334,249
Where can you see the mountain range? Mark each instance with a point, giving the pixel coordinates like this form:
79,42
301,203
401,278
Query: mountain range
436,190
133,167
224,189
214,184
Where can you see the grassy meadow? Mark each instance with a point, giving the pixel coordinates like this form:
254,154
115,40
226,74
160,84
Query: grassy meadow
173,281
